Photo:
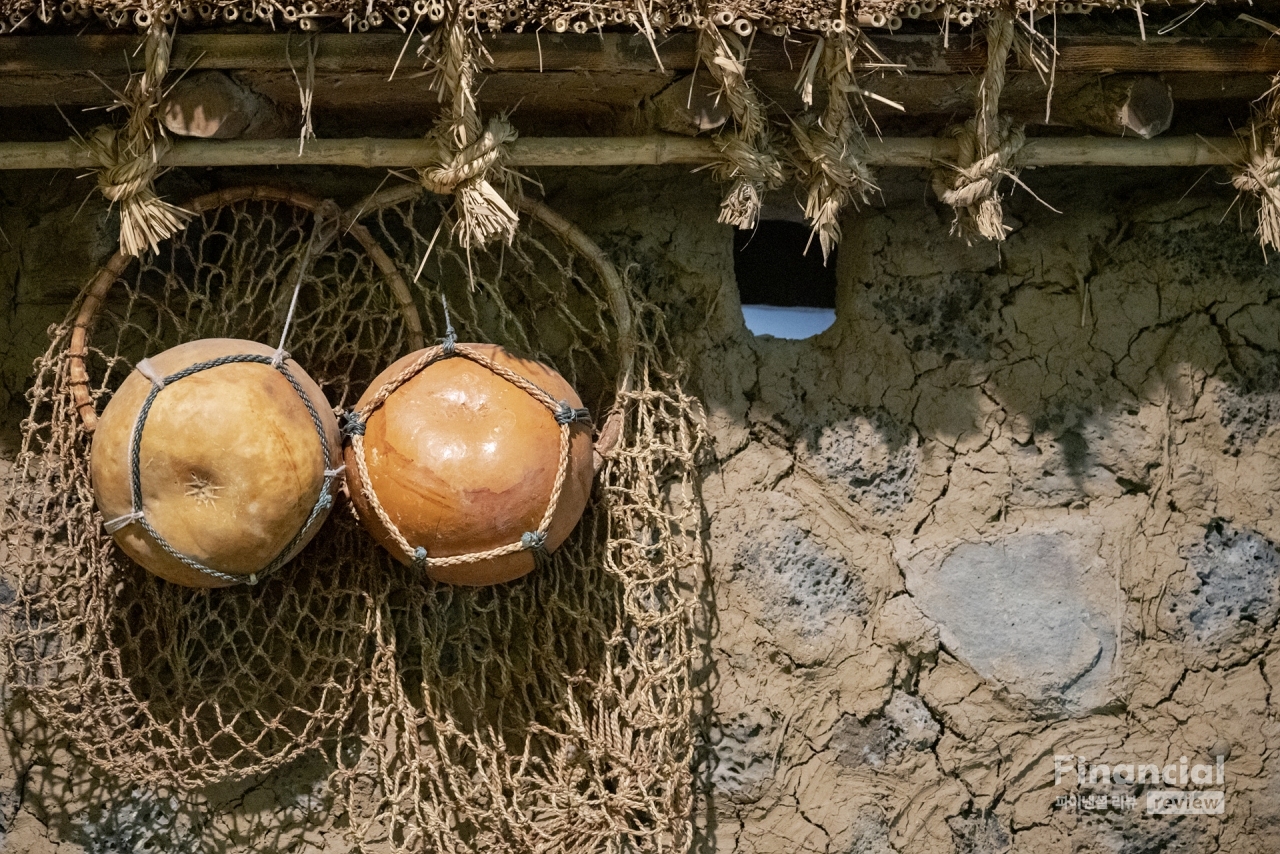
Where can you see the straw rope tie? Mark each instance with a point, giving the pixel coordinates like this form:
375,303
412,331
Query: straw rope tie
1261,178
979,179
137,514
122,177
989,146
565,416
471,162
128,158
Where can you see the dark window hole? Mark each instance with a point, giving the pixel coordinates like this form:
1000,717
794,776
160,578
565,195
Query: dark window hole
785,291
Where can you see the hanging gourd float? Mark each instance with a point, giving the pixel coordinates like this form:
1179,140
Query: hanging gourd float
466,461
214,462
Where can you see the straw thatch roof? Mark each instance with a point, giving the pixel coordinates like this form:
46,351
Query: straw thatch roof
806,118
658,16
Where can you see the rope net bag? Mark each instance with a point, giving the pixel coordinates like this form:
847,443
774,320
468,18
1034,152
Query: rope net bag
155,682
552,713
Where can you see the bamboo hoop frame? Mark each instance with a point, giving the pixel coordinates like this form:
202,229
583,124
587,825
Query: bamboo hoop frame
651,150
95,293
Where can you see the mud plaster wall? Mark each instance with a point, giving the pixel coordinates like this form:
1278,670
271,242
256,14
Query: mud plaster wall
1015,503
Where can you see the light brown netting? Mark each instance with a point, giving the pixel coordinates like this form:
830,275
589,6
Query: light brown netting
552,713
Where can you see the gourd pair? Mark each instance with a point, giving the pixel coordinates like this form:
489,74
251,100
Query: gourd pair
218,460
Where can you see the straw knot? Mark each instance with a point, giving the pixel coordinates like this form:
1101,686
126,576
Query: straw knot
972,185
754,169
1260,177
467,175
128,158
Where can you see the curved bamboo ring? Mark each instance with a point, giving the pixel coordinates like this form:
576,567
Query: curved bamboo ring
96,291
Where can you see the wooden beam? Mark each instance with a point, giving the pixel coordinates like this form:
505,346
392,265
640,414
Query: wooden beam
627,151
616,52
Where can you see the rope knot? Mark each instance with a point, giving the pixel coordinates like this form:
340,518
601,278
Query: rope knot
1260,177
352,424
420,557
533,540
972,184
449,342
128,158
566,414
121,522
466,175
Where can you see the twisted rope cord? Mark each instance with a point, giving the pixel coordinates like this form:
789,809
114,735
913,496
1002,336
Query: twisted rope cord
565,416
989,146
128,158
476,155
1260,175
750,162
138,515
324,230
830,146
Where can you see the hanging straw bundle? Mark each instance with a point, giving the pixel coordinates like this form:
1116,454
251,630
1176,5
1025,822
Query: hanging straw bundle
989,146
750,164
830,165
1260,175
128,158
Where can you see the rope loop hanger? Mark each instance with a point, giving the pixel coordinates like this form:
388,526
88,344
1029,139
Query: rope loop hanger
323,232
562,412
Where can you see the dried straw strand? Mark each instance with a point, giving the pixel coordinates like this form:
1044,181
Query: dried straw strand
989,145
831,162
128,158
750,163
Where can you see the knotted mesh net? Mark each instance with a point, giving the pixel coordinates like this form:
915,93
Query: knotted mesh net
551,713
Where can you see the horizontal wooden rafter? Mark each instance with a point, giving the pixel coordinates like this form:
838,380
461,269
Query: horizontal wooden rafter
628,151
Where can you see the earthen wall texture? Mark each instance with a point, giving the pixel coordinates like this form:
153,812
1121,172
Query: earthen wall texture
1018,503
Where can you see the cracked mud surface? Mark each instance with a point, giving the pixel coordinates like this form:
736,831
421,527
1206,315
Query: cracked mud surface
1015,503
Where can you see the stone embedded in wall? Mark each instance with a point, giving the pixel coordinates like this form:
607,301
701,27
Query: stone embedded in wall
1249,404
873,743
799,581
1235,591
905,724
871,458
914,720
743,752
870,835
142,821
1018,611
1074,454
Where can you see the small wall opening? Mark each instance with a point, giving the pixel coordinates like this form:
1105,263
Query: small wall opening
786,291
